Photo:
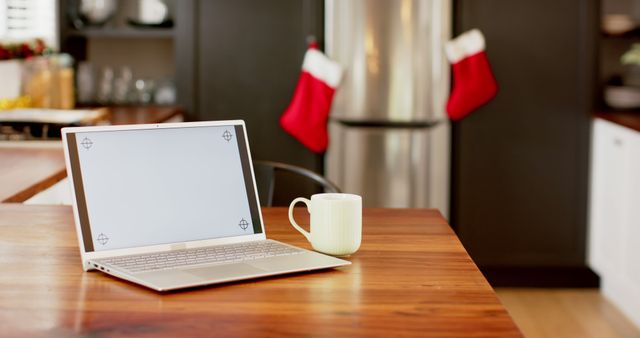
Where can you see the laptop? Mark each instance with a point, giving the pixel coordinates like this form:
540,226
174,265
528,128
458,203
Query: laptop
174,205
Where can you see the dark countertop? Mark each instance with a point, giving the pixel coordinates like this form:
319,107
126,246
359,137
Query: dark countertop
626,119
142,115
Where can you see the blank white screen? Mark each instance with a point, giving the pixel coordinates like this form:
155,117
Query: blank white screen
167,185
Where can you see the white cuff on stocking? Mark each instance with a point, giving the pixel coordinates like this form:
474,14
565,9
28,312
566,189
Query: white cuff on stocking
322,68
467,44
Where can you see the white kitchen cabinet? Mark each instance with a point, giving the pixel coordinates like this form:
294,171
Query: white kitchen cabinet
609,169
614,220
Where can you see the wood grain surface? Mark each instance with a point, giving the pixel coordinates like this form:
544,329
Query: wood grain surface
26,171
566,313
411,277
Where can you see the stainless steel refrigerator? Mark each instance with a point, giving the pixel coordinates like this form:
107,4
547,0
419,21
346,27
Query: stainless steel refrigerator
389,135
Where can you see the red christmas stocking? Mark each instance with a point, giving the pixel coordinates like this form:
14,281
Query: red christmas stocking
473,81
307,114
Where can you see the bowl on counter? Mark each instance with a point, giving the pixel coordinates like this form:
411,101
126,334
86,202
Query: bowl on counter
622,97
617,24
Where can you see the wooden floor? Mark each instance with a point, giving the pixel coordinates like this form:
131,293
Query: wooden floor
567,313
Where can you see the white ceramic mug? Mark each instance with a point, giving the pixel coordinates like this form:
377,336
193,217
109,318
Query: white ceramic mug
336,222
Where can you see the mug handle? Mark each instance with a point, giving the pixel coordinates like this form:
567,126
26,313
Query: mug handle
293,222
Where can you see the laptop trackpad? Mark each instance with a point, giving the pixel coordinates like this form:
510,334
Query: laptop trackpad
225,271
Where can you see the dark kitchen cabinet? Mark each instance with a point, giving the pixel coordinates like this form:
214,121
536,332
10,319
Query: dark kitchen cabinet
241,60
520,164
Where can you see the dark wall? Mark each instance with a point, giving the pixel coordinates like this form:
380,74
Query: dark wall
245,58
520,163
250,54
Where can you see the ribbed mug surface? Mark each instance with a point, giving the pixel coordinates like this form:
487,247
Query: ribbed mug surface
336,223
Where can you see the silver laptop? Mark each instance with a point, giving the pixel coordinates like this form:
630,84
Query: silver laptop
170,206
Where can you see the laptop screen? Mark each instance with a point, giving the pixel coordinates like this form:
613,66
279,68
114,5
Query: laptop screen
167,185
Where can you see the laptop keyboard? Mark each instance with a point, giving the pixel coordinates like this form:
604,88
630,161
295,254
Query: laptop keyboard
231,253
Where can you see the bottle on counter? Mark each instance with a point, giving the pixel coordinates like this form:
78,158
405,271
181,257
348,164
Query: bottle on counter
86,83
48,81
36,82
63,93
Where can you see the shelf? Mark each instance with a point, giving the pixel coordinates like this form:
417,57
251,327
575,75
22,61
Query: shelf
632,34
124,33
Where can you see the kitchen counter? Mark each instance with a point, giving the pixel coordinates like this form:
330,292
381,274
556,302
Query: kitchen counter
29,167
143,115
626,119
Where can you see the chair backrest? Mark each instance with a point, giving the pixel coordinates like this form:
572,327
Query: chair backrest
266,179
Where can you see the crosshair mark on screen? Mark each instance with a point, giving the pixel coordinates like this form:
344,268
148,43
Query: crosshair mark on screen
227,135
243,224
102,239
86,143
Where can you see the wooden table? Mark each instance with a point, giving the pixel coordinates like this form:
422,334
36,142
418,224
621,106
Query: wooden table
411,277
29,167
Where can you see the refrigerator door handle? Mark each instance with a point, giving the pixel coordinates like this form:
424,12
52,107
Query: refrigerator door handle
386,124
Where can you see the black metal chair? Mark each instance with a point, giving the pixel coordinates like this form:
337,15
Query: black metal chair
265,172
